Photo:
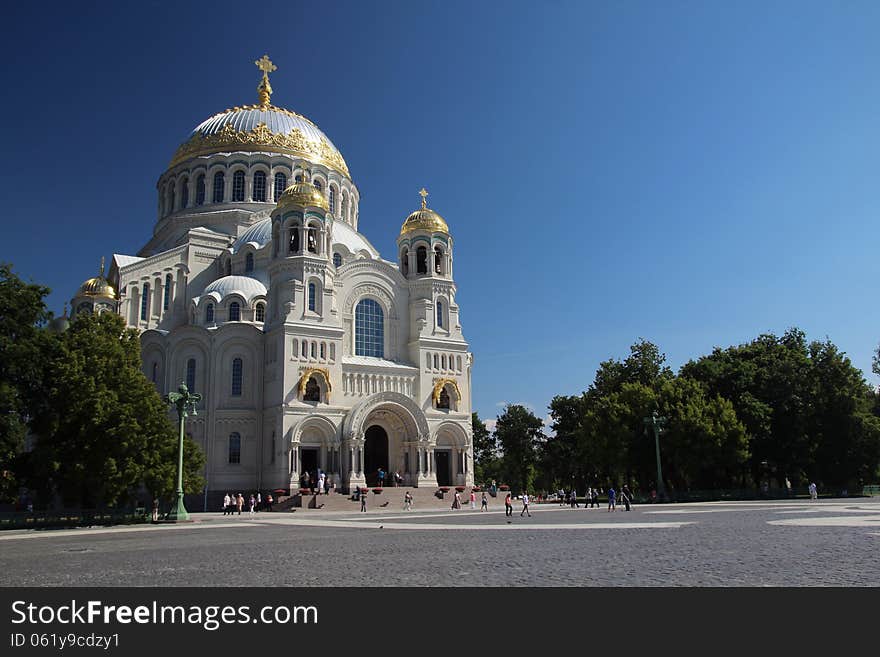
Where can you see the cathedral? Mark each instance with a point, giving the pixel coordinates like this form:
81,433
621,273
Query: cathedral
258,291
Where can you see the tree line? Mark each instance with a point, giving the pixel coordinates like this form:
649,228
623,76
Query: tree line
80,425
776,411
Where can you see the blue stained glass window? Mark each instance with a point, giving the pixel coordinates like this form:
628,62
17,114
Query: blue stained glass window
209,313
312,297
369,322
337,260
200,190
145,300
235,448
280,186
191,374
260,186
440,314
238,186
234,312
236,377
219,184
166,300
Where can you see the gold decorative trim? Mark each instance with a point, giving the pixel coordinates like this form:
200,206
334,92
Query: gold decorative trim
306,375
259,138
438,386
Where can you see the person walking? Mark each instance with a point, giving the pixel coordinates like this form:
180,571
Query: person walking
574,499
259,501
814,493
363,496
155,515
321,479
407,501
227,504
611,500
594,497
456,500
269,501
508,507
473,499
239,502
251,503
484,502
626,497
525,503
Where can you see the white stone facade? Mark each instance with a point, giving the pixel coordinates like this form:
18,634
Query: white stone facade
309,349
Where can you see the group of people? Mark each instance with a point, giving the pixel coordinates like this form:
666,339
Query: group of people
316,482
484,501
256,502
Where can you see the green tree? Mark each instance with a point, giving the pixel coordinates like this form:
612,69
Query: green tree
105,431
520,435
487,462
22,341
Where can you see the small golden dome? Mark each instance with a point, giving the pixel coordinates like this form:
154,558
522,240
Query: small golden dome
98,286
304,194
424,219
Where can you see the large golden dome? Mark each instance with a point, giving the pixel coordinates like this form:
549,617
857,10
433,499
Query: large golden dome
424,219
303,194
98,286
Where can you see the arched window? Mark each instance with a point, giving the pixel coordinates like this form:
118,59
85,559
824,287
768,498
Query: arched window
323,350
440,314
280,186
421,260
166,298
369,322
236,377
234,448
344,207
172,192
155,372
442,361
299,178
332,199
438,260
337,259
249,262
200,190
428,361
404,262
305,349
318,185
458,363
145,301
234,312
209,314
260,186
191,374
238,186
294,239
436,362
443,401
314,350
260,312
312,297
184,193
313,240
219,187
313,391
332,351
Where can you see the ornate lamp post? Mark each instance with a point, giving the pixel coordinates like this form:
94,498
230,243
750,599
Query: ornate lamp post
184,400
656,422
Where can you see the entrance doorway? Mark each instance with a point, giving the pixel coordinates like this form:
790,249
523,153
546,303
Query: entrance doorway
442,463
375,454
309,457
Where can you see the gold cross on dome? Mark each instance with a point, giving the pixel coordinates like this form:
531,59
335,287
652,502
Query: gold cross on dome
424,194
265,65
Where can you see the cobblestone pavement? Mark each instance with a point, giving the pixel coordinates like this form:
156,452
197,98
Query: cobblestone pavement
800,543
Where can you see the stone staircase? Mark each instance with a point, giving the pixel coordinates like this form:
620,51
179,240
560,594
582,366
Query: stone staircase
390,498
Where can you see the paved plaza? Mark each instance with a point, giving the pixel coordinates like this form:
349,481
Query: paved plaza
799,543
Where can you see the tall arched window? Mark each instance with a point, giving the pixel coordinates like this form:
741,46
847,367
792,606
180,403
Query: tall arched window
312,241
171,194
260,312
344,207
234,448
219,187
294,239
236,377
440,314
238,186
184,193
313,391
191,374
209,314
145,301
312,297
332,199
280,186
443,400
369,329
260,186
249,262
337,259
234,312
200,190
166,299
422,260
404,262
323,350
438,260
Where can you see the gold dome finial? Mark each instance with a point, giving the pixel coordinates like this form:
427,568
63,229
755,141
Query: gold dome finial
264,89
101,270
424,194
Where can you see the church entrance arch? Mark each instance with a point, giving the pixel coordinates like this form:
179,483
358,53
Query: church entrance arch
375,454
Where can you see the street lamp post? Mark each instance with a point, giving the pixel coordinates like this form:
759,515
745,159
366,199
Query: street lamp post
184,400
656,423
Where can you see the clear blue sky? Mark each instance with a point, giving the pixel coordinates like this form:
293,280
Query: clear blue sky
694,173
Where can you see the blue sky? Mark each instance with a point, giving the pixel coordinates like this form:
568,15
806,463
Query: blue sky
694,173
